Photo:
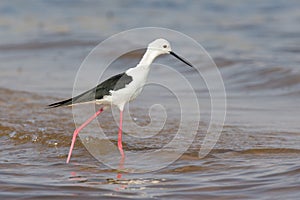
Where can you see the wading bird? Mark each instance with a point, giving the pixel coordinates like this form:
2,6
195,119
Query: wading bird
120,89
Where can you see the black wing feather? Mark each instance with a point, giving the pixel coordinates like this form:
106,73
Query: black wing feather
115,83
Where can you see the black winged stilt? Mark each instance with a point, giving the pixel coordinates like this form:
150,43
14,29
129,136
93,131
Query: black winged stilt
120,89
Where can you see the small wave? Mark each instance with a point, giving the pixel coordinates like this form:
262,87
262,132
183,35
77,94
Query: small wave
251,77
36,45
269,151
24,119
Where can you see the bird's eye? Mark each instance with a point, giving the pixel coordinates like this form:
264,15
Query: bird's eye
165,46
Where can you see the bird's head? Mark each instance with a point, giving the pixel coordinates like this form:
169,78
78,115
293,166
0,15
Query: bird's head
162,46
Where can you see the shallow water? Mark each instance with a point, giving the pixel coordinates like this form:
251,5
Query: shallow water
256,48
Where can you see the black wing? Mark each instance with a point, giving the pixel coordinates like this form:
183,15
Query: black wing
116,82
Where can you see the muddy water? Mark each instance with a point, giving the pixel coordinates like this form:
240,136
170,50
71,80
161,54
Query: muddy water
256,48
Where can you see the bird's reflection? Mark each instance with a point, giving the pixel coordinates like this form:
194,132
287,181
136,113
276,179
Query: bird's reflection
119,181
121,167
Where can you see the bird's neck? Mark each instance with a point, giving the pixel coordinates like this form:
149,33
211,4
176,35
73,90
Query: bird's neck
147,59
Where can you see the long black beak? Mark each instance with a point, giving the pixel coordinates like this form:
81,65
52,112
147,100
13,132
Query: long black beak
182,59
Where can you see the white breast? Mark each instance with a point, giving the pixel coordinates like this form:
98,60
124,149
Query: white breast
132,90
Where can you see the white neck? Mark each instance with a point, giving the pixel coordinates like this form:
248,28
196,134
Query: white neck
148,58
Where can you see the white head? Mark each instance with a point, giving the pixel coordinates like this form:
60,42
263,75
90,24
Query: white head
162,46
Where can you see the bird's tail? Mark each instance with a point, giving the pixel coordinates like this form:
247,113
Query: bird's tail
67,102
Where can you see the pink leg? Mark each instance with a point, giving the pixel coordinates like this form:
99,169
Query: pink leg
79,129
120,135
